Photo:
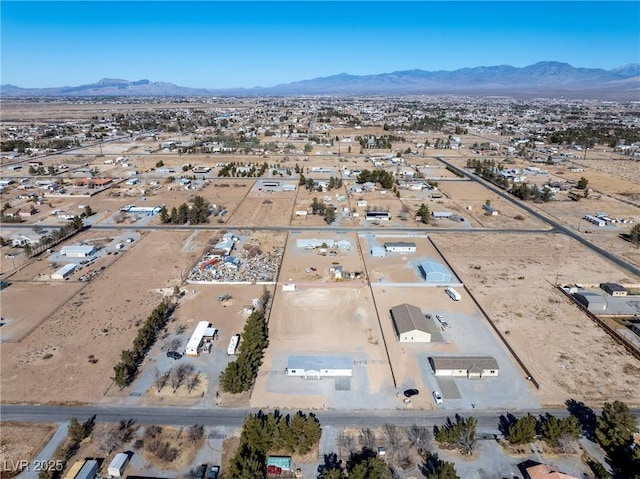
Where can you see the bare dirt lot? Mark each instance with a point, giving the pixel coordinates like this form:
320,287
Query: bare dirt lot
323,321
512,278
21,442
51,365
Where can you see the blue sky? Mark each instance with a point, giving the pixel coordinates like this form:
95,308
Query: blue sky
245,44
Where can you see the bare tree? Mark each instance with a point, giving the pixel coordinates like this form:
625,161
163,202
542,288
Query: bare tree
394,438
116,434
193,381
175,344
367,439
566,443
195,432
419,437
346,443
161,379
110,440
179,374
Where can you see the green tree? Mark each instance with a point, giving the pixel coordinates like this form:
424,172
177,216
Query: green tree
164,215
308,148
523,430
582,183
552,428
435,468
615,426
88,211
424,214
183,214
370,468
77,223
303,180
159,164
330,215
460,434
635,234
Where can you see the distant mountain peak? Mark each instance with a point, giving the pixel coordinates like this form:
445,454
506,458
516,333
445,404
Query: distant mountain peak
544,78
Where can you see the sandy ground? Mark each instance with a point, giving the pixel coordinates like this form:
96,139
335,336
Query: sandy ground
21,442
342,321
512,278
101,321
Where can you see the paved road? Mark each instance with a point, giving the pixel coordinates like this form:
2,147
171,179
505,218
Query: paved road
487,419
557,227
331,229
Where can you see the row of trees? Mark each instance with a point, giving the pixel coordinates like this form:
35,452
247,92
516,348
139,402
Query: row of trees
130,359
76,433
198,213
376,176
533,192
240,374
264,433
559,433
57,236
231,170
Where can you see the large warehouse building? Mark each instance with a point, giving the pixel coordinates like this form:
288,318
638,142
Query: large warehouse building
434,272
78,250
410,325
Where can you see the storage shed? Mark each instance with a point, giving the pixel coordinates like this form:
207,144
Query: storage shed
471,367
434,272
118,465
74,470
614,289
378,252
410,325
64,272
594,302
89,470
316,367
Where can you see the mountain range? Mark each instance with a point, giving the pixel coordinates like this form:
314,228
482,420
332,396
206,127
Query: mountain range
543,79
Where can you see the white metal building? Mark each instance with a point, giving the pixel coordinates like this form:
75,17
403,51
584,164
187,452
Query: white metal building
441,214
65,271
195,341
78,250
400,247
314,243
434,272
378,252
316,367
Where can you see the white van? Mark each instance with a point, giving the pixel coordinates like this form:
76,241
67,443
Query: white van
453,294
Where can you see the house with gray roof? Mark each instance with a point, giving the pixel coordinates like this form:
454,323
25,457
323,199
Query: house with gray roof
410,325
471,367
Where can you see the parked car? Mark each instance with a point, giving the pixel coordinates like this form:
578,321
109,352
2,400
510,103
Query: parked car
437,397
202,471
174,354
411,392
442,321
213,472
